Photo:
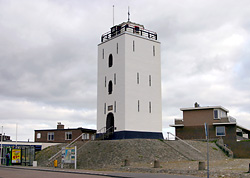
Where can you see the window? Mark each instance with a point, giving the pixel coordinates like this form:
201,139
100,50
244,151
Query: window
50,136
115,106
68,135
116,48
102,53
133,45
38,135
150,80
105,83
110,87
138,106
153,50
138,79
149,107
114,79
92,137
104,108
220,131
110,60
216,114
85,136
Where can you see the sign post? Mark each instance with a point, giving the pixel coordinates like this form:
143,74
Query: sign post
207,135
69,155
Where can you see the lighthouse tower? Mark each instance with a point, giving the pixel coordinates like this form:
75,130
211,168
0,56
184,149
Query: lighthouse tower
129,83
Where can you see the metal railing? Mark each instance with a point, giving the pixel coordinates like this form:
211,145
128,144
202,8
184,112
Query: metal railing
184,142
55,155
127,28
105,133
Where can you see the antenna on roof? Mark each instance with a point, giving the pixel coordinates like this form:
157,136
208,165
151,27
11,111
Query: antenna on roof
128,15
113,15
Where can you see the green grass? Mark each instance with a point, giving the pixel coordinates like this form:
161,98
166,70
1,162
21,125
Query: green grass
245,141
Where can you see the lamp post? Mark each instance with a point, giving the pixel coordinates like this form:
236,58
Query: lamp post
1,147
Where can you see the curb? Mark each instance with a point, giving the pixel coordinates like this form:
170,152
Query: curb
64,171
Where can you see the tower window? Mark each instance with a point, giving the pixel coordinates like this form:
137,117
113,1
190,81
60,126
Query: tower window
153,50
138,105
114,79
117,48
105,82
138,78
102,53
115,106
110,87
133,45
104,108
110,60
150,80
150,109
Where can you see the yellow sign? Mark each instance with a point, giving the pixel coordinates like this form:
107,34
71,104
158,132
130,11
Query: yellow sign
16,155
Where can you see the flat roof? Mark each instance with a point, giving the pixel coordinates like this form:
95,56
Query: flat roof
82,129
203,108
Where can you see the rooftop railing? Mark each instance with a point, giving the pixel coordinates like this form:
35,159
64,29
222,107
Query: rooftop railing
116,30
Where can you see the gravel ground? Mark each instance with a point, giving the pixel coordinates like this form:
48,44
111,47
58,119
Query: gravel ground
228,168
177,159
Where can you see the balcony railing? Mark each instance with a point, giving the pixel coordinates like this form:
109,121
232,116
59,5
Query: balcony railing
116,30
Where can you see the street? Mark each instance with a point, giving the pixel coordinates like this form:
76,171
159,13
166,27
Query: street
23,172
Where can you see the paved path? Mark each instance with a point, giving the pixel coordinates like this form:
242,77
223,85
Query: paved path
29,172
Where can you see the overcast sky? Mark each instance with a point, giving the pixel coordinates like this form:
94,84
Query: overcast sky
48,58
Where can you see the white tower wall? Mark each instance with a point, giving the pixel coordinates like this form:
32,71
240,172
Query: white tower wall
136,78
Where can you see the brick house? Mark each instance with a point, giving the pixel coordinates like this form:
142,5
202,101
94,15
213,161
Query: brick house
220,125
5,137
62,135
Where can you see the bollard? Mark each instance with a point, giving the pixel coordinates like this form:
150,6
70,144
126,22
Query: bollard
34,163
55,163
201,165
126,162
157,164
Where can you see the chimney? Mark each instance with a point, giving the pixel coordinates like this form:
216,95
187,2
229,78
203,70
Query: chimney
60,125
196,105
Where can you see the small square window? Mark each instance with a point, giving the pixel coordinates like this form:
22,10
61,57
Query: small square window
38,135
220,131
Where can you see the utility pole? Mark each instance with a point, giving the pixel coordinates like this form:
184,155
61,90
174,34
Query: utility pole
207,135
1,147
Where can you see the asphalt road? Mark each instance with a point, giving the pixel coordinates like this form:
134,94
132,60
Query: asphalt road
10,172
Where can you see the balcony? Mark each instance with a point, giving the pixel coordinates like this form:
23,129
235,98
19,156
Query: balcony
128,27
225,120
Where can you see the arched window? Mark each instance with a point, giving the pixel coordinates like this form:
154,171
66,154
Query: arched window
110,87
110,60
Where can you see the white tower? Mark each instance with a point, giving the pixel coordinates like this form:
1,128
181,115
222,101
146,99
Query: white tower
129,83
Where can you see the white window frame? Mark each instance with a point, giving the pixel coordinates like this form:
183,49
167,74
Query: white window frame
67,135
217,131
85,136
38,135
50,134
218,114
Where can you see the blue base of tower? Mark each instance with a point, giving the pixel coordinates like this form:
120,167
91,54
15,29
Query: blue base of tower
133,135
136,134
